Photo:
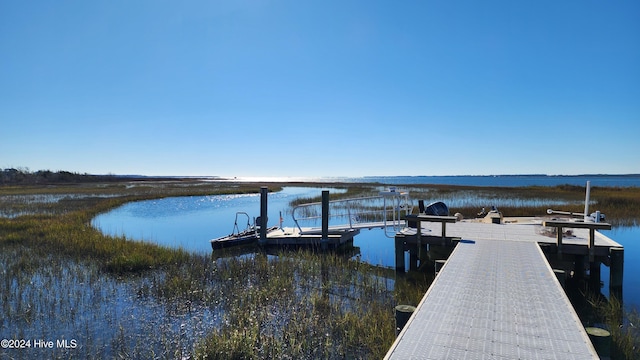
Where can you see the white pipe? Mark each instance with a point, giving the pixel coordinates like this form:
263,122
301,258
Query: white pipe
586,201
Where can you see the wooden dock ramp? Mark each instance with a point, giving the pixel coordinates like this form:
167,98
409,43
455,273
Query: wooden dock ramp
494,299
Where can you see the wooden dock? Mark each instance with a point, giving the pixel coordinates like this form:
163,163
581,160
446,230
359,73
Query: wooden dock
293,236
497,297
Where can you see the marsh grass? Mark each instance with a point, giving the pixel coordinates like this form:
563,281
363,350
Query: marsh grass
62,278
623,325
302,305
50,297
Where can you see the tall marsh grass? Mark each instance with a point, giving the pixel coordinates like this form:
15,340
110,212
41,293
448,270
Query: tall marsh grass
303,305
119,298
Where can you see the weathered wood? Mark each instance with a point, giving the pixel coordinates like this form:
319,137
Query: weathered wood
601,340
592,226
616,271
293,236
403,313
325,218
399,252
264,193
577,224
431,218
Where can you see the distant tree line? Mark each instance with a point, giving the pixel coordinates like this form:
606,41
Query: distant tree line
26,177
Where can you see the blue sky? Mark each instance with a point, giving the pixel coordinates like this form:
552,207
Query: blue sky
320,88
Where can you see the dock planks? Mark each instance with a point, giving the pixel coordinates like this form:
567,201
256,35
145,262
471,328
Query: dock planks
494,299
309,237
518,230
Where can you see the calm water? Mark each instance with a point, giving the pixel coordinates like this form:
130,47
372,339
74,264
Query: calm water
190,222
489,180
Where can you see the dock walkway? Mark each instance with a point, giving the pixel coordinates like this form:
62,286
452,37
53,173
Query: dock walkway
494,300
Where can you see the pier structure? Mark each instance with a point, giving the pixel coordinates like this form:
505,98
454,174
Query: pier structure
575,247
497,296
333,223
385,210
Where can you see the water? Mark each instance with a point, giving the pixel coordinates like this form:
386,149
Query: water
629,237
632,180
190,222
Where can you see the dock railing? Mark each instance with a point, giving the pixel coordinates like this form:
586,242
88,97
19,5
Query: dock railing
592,226
387,210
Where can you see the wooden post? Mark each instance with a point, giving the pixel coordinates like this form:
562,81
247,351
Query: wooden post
264,193
325,220
418,238
578,267
559,242
403,313
592,246
594,276
592,226
399,248
413,259
616,269
601,340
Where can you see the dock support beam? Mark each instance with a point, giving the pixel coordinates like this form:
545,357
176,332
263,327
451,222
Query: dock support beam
264,193
578,268
616,256
594,276
413,258
324,242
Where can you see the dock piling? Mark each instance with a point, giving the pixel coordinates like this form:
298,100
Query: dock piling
399,249
403,313
616,255
594,276
325,220
601,340
264,193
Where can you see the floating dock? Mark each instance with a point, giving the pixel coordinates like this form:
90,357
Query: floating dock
309,237
497,297
324,238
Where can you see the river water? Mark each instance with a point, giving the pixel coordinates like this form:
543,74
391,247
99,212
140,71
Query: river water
190,222
632,180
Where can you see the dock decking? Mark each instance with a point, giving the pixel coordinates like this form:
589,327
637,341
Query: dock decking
514,229
494,300
309,237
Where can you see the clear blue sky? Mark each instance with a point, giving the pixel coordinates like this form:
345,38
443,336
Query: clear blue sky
320,88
